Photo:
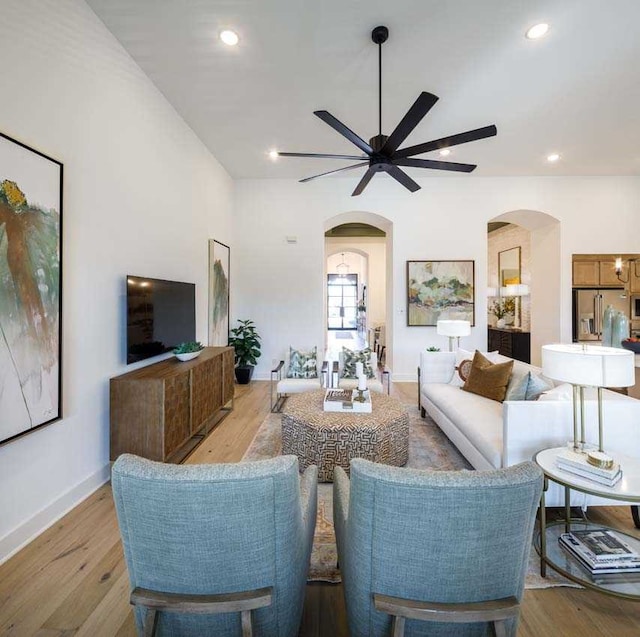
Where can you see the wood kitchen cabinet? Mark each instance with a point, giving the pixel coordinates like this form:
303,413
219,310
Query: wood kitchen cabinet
634,279
608,275
163,411
595,273
586,273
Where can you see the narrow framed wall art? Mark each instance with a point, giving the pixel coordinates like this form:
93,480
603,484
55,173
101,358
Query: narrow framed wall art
30,289
440,290
219,264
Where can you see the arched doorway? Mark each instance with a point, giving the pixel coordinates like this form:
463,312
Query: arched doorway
540,271
362,241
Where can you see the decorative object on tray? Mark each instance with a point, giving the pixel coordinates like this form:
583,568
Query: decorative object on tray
245,341
347,400
440,290
578,464
219,265
30,288
188,351
584,366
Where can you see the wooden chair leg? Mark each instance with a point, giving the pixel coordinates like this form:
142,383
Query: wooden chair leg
500,628
150,622
247,629
397,627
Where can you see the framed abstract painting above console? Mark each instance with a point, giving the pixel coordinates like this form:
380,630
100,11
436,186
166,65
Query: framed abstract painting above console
440,290
30,289
219,263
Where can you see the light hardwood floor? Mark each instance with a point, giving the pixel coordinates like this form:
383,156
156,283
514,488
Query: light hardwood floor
72,579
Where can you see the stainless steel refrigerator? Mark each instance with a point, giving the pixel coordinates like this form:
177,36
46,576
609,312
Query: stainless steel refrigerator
588,310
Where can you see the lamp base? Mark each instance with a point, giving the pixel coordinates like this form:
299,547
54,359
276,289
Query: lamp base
600,459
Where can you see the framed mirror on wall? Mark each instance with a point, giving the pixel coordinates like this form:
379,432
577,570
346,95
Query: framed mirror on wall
509,272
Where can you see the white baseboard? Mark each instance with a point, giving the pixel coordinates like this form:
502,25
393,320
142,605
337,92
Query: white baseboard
11,543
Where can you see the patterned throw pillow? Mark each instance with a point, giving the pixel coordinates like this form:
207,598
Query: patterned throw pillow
351,358
303,364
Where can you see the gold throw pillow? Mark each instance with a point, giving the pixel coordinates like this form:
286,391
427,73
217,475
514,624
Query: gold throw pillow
488,379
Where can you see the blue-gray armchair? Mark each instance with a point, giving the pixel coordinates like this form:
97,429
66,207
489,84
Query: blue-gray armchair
420,549
216,549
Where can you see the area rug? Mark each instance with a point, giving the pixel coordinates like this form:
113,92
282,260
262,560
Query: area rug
428,448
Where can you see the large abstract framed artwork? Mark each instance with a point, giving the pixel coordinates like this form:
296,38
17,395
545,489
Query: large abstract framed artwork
219,261
440,290
30,289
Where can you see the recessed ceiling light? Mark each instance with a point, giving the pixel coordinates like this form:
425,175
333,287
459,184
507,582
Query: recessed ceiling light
537,31
553,157
273,154
444,152
229,37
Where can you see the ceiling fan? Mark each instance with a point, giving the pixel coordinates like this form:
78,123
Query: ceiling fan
382,152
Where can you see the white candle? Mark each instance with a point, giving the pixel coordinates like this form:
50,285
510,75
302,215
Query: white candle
359,369
362,382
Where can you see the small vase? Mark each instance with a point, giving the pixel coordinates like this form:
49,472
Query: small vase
500,322
607,325
619,329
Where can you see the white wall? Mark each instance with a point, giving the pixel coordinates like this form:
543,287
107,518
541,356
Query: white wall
281,285
142,195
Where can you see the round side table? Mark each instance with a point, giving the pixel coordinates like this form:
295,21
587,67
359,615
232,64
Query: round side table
553,555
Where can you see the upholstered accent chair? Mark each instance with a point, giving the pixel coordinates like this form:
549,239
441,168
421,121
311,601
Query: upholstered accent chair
282,385
420,549
216,549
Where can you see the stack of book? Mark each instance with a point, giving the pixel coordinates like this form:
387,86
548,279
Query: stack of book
603,554
577,464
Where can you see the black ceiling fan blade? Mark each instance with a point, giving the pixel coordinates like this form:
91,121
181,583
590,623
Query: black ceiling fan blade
412,118
445,142
345,131
324,156
402,177
330,172
362,184
434,164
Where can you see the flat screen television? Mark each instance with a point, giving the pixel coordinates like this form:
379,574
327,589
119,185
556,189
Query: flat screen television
160,315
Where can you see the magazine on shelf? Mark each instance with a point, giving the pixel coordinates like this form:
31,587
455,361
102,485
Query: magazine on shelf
607,482
603,567
604,543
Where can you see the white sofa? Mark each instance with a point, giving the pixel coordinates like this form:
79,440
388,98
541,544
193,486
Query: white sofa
491,435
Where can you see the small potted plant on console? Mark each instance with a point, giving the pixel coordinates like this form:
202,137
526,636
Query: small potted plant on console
188,351
246,342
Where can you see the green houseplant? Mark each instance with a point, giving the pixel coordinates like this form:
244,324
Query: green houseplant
188,351
246,342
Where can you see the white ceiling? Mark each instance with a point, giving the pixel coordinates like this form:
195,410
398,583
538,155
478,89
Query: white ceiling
575,92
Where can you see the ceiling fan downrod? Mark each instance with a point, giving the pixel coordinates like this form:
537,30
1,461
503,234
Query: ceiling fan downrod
380,35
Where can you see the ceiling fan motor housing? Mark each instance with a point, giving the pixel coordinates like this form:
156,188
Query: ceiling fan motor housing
380,34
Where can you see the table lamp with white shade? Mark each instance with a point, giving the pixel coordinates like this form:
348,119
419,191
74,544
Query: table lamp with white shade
453,329
517,290
584,366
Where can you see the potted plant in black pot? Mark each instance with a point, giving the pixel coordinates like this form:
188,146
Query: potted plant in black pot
246,342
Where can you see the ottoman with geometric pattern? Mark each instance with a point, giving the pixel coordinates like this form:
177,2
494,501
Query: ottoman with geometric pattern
330,439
